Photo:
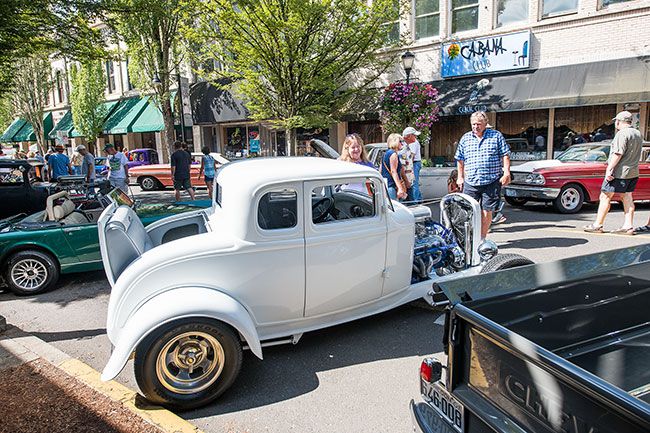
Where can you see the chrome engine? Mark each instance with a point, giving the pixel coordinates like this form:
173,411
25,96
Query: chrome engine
435,250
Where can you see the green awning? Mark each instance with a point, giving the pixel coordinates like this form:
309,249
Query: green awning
123,117
110,107
26,133
65,125
150,120
9,133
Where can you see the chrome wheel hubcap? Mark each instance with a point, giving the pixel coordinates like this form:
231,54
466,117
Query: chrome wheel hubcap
190,362
570,198
29,274
147,183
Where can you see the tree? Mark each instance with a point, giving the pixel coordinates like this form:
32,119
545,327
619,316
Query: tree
150,29
6,115
86,99
53,26
298,63
32,83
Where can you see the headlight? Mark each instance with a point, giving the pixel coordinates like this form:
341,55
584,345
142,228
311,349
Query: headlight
535,179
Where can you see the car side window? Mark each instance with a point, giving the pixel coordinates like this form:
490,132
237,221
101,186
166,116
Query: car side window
278,209
11,176
343,201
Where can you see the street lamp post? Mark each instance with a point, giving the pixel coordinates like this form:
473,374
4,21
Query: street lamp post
407,62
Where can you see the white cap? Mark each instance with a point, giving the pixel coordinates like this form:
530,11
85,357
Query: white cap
624,116
81,147
410,130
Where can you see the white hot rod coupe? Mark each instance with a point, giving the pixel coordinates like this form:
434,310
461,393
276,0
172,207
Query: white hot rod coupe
289,245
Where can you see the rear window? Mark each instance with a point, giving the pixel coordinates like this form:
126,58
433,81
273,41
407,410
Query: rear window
11,176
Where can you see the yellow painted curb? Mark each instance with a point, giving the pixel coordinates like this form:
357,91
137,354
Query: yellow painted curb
156,415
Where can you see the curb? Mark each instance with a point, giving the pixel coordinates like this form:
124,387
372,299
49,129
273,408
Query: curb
27,347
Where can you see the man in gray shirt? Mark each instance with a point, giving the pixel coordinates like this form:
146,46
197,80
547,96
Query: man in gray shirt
87,163
622,174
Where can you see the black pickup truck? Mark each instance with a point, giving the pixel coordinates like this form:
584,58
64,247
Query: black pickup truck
560,347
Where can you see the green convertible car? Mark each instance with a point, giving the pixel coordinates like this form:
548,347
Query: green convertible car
62,239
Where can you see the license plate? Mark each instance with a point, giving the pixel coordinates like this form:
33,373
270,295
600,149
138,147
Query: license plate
447,406
511,193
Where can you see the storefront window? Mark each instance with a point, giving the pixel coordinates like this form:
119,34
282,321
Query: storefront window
526,132
511,11
427,18
304,137
577,125
445,135
557,7
235,142
464,15
369,130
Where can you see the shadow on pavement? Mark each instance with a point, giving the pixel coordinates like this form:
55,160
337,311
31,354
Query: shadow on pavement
545,242
290,371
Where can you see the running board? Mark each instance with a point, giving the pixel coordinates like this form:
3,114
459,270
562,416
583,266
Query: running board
294,339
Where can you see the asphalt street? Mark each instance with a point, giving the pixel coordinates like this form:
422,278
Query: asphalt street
357,377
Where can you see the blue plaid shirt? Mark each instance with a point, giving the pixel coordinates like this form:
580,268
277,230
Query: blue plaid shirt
483,157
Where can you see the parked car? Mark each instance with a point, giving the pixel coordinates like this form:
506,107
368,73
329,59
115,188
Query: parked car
62,239
159,176
433,180
291,245
554,347
572,179
145,156
21,187
101,166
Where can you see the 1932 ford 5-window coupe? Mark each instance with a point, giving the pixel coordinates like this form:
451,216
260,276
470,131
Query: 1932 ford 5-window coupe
290,245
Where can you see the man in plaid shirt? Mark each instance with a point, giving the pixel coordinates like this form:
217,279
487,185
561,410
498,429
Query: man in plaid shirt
483,164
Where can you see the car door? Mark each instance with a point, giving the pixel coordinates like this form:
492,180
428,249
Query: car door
83,239
642,190
345,254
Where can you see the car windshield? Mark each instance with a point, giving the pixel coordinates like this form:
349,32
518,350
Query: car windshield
588,153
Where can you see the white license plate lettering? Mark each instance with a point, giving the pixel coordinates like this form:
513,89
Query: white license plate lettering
445,405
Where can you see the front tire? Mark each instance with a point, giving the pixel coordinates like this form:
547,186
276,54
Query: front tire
31,272
149,183
505,261
187,363
515,201
570,200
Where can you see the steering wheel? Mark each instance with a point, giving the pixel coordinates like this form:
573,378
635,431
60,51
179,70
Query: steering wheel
321,209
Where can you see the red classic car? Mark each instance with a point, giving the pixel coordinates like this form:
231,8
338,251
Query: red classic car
159,176
575,177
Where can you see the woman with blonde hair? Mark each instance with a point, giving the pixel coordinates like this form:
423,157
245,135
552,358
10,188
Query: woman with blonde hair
392,169
353,151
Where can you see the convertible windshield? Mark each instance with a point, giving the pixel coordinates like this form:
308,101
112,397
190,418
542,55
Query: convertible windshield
589,153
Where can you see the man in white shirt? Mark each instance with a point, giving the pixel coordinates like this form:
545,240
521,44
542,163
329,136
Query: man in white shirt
118,173
410,136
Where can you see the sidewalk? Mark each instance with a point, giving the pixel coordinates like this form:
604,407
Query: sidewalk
45,390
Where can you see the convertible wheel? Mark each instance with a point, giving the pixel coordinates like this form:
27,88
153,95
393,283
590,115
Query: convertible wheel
570,199
505,261
187,363
31,272
148,183
514,201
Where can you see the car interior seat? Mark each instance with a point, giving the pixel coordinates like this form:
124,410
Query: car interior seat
127,237
64,212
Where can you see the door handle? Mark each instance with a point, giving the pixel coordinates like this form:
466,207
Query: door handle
72,229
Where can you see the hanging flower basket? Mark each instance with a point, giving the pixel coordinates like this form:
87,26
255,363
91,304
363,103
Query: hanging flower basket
405,105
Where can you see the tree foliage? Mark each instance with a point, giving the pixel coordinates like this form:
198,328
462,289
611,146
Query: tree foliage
32,83
298,63
57,27
150,29
87,99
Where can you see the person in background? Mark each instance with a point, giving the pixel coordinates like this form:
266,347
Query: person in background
76,161
540,143
410,135
208,169
118,169
353,151
621,175
181,161
87,164
392,169
599,136
483,164
452,186
59,164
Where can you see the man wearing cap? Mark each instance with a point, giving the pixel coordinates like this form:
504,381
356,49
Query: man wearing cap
59,163
410,136
87,163
621,175
483,162
118,170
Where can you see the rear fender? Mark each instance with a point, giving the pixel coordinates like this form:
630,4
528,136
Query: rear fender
177,304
